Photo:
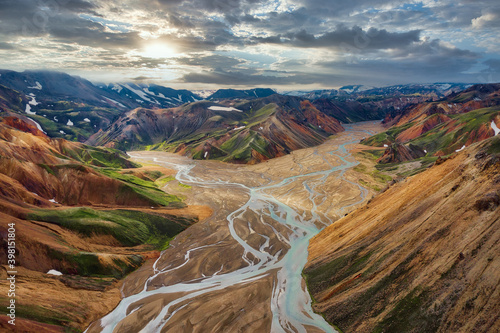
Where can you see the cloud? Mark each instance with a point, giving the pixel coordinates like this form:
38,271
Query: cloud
490,19
254,42
344,37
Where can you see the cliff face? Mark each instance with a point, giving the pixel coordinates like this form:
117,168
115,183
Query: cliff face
420,257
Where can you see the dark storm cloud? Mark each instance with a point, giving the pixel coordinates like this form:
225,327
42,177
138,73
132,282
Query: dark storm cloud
220,6
424,62
357,37
33,17
89,33
245,78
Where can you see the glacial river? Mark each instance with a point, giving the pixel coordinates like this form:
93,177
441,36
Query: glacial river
279,254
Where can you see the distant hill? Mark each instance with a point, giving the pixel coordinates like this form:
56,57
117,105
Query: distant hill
245,94
355,91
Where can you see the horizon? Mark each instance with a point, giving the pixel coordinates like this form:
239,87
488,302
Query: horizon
282,44
277,90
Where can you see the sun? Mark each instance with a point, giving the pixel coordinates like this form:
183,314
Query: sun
158,51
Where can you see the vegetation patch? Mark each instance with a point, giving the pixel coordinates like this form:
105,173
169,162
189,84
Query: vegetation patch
129,227
410,315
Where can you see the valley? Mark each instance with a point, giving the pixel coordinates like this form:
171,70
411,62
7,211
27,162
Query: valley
240,269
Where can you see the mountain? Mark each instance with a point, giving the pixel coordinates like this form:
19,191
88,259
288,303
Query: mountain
149,95
350,91
49,86
420,257
242,94
246,131
445,126
84,218
73,108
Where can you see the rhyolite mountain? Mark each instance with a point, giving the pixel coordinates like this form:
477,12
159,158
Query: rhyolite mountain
442,127
242,131
86,212
420,257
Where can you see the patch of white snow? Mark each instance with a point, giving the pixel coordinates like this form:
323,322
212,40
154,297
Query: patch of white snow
28,109
223,108
37,86
495,128
54,272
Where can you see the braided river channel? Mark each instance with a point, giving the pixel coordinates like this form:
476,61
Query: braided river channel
240,270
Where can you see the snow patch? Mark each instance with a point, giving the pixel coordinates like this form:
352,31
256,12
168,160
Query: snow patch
38,126
223,108
117,88
139,93
87,120
463,147
62,132
53,200
425,151
28,109
37,86
69,123
238,128
386,146
55,119
494,127
33,101
54,272
206,153
149,92
113,101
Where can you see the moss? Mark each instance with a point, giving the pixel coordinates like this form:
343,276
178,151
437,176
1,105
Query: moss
47,168
494,146
410,315
163,181
333,272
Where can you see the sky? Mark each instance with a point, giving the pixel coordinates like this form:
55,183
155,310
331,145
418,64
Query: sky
282,44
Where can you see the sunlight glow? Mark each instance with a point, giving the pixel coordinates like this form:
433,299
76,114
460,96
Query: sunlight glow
158,51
